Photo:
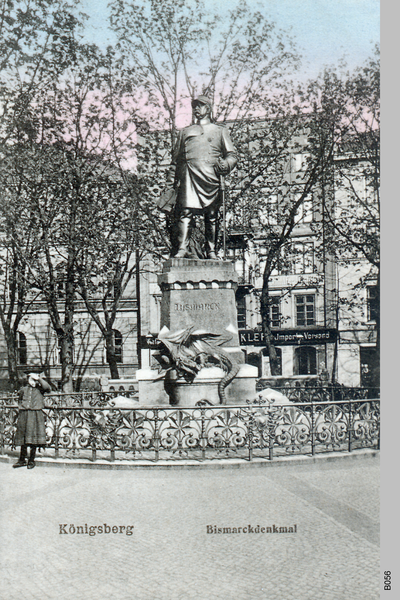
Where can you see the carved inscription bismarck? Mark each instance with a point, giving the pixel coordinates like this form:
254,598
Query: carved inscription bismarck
200,294
197,307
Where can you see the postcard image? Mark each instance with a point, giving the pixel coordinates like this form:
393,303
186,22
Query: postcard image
190,300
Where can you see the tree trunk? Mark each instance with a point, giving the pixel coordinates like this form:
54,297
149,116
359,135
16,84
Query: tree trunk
66,355
10,318
12,359
376,371
65,330
266,325
67,342
336,347
110,355
106,330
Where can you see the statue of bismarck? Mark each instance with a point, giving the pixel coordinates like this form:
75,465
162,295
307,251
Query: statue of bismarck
202,155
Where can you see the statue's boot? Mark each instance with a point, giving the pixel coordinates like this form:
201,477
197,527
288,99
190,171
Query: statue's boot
210,223
183,235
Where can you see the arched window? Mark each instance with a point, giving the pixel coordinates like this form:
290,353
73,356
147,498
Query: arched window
305,361
22,349
118,345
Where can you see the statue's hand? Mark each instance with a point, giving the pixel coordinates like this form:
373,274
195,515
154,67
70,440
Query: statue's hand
221,167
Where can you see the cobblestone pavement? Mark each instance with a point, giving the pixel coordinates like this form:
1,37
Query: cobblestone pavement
333,556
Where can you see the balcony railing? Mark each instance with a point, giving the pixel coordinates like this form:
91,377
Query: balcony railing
87,428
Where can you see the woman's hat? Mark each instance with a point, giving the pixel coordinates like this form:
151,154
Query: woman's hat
34,376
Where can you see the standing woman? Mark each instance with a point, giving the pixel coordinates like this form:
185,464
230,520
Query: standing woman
31,430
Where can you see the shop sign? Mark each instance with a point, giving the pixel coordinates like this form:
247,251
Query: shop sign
150,342
288,337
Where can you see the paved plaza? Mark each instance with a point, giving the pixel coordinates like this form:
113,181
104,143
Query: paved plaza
331,553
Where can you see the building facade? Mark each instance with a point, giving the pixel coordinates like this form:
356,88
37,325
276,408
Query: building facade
323,291
323,303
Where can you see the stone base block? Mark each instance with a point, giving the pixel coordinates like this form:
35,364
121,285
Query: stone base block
243,387
200,294
151,393
205,387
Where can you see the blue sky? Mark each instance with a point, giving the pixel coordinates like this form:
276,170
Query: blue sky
325,30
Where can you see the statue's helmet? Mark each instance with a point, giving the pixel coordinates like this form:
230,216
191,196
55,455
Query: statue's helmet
201,100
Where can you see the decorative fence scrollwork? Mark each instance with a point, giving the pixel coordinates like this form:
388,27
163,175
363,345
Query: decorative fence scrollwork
93,429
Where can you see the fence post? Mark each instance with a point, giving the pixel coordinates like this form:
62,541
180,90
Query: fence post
92,436
379,428
56,432
271,435
2,430
156,438
350,424
331,392
134,437
251,422
203,440
312,428
112,453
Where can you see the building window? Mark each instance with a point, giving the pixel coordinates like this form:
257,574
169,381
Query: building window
305,361
304,213
279,357
302,257
372,302
269,212
254,359
282,263
237,256
22,349
305,310
369,367
274,312
300,162
241,312
60,286
118,345
108,290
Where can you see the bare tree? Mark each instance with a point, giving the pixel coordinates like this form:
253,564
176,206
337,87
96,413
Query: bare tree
353,222
36,37
175,50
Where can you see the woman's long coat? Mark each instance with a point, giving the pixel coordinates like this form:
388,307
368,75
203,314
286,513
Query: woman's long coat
31,429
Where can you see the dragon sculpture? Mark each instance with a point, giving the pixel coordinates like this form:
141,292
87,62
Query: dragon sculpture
189,350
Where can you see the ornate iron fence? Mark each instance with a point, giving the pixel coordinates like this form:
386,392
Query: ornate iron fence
326,393
90,429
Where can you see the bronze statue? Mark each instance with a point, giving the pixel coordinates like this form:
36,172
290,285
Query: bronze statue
202,155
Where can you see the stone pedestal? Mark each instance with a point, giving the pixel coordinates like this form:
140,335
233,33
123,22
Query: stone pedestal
201,294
